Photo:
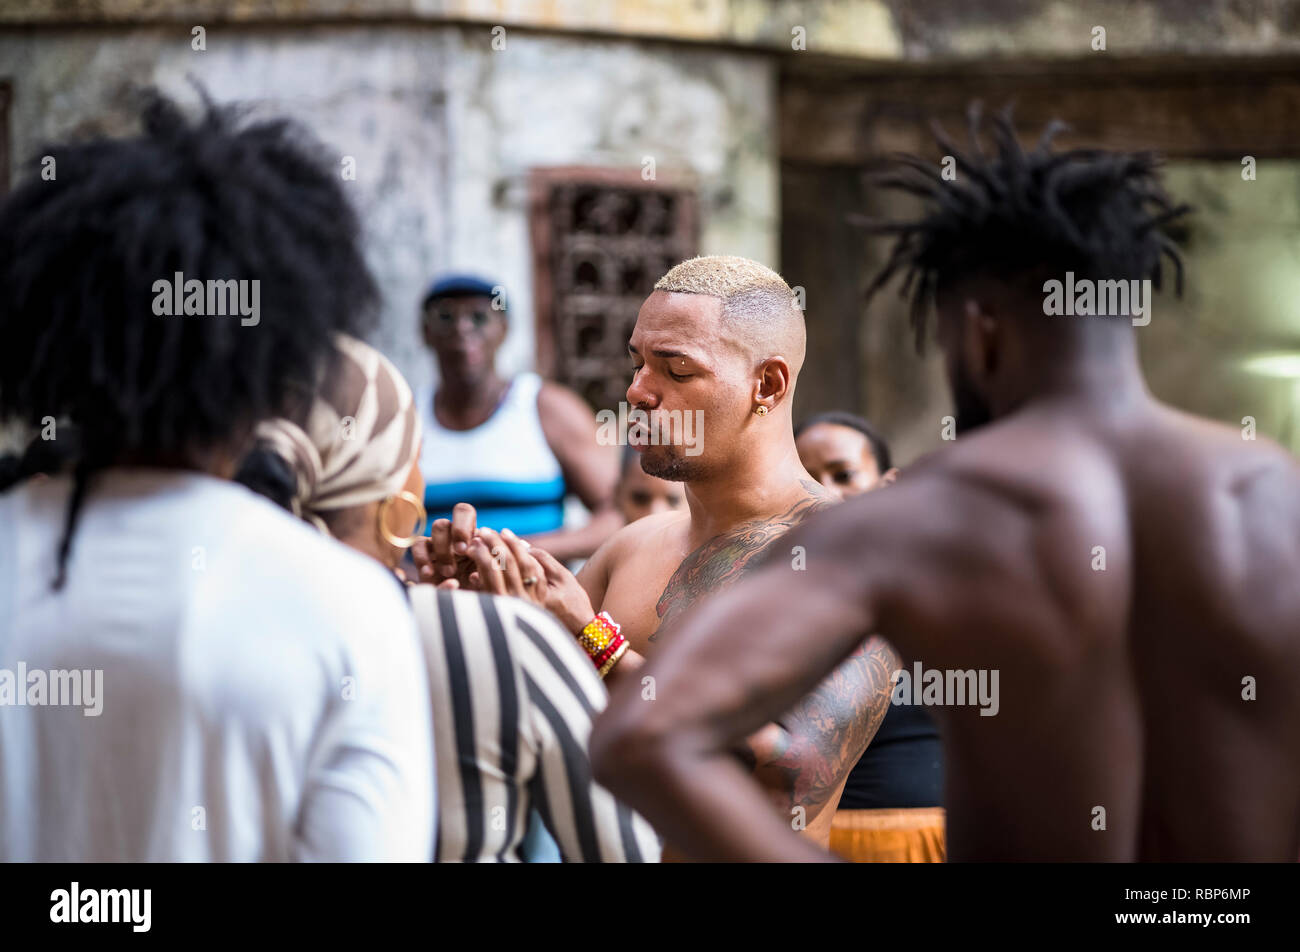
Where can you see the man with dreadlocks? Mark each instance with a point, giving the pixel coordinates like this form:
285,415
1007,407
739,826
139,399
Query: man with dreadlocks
1128,569
186,671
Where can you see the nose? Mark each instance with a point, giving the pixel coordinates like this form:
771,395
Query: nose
639,394
463,327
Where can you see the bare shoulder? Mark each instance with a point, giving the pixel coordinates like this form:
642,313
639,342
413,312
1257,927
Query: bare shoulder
1212,456
648,534
659,533
1230,482
558,404
1002,510
1005,472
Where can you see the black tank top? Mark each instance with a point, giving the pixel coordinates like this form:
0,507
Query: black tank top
902,767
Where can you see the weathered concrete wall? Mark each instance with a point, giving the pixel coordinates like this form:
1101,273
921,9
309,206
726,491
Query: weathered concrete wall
1230,347
443,129
886,30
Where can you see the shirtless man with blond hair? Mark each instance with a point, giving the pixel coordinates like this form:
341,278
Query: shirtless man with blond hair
1129,569
721,335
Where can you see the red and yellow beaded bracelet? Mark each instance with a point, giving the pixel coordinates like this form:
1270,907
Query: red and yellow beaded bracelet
602,641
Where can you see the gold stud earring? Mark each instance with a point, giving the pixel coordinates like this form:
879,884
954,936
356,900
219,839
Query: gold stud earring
760,410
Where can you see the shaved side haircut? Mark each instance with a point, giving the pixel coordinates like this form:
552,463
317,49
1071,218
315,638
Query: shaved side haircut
753,297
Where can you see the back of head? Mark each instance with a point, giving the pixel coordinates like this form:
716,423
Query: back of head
356,445
757,305
1016,216
210,212
83,258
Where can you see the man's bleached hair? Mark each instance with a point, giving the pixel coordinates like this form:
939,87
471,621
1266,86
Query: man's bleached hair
751,293
722,276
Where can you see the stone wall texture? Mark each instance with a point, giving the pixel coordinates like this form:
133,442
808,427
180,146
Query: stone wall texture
443,129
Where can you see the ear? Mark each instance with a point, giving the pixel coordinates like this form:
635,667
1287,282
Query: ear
500,328
982,336
773,382
889,476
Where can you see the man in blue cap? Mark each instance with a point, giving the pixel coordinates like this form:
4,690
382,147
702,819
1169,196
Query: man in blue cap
512,448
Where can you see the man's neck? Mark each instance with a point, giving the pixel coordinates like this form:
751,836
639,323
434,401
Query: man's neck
767,481
464,399
1100,374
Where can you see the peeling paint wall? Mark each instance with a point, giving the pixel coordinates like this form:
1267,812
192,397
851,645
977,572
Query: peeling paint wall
443,129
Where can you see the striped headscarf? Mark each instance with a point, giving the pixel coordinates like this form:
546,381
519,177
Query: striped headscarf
360,438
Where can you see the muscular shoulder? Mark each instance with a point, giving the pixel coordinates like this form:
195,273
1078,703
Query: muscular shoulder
975,522
1244,459
1223,482
652,530
652,533
991,486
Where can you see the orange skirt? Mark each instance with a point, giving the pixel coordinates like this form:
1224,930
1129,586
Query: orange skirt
889,836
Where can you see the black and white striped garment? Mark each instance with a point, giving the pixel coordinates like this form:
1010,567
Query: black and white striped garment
514,696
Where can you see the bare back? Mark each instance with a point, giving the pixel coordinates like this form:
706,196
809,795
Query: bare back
1134,585
1215,634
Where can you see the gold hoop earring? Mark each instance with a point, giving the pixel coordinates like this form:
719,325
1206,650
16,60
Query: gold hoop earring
760,410
396,541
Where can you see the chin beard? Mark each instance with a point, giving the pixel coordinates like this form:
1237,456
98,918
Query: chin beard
666,465
970,409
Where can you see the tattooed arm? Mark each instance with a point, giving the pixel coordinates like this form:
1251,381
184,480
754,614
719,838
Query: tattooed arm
804,758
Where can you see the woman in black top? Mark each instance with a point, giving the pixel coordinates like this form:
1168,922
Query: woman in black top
890,810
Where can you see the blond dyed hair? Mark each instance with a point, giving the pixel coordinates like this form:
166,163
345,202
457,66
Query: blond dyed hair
753,295
722,276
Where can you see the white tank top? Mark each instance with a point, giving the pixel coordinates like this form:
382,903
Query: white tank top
503,467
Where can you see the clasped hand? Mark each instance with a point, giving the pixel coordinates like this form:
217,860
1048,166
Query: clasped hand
460,554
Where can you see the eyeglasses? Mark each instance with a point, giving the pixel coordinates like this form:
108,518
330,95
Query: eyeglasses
442,320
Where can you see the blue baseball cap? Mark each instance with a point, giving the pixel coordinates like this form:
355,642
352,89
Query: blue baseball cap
457,286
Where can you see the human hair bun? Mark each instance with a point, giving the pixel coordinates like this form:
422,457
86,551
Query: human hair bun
269,474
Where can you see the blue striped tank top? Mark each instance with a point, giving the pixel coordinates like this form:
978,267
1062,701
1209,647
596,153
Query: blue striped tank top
504,467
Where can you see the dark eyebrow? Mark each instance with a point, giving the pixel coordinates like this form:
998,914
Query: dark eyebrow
662,354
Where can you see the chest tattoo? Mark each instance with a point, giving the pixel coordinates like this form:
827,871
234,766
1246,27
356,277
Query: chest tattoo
724,559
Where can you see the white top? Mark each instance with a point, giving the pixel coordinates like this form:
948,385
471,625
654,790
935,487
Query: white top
509,445
262,696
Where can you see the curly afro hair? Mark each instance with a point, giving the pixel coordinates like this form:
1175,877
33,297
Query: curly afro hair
215,198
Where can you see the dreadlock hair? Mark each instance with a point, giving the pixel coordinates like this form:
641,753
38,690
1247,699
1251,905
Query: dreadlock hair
1016,215
216,198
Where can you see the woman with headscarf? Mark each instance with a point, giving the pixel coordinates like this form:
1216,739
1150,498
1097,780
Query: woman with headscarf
513,694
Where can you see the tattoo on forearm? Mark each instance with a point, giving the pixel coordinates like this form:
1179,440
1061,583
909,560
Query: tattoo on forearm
720,562
821,739
831,727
